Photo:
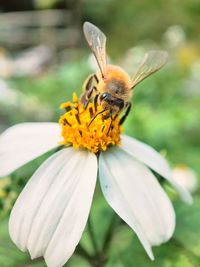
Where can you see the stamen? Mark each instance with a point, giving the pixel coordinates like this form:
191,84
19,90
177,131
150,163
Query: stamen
75,98
86,128
77,118
68,108
65,121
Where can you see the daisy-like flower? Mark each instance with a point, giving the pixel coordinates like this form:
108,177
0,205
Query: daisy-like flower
186,177
50,214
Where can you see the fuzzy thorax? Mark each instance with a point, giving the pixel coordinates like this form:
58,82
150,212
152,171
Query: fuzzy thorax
82,131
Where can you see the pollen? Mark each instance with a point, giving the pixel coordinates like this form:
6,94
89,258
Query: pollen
88,128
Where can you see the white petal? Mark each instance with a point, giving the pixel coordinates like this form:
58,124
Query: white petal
24,142
186,177
50,214
135,194
155,161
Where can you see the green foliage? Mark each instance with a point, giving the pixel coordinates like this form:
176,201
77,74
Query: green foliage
165,115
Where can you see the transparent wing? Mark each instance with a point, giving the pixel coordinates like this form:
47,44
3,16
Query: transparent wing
97,42
153,61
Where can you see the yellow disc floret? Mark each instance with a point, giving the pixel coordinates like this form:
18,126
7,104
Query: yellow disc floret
88,128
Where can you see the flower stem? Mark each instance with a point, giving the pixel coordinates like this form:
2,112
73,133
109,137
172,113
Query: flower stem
80,250
109,234
92,236
100,256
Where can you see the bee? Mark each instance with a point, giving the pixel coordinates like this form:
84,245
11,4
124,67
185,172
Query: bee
111,87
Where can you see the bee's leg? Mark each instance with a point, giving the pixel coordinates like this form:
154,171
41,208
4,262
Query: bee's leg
88,96
96,101
111,122
100,112
128,108
88,85
89,88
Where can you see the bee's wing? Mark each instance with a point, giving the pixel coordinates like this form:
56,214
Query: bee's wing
153,61
97,42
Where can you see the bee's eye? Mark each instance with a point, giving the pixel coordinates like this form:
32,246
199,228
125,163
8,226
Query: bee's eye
105,96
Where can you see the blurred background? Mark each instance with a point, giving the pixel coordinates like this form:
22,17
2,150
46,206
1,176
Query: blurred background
44,58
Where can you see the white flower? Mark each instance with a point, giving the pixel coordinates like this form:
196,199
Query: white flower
186,177
50,214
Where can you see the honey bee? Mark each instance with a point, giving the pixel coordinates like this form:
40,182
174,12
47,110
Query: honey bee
111,87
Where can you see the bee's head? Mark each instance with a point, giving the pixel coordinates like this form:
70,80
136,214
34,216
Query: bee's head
106,99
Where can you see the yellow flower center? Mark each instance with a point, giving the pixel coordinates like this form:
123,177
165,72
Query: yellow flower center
85,128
